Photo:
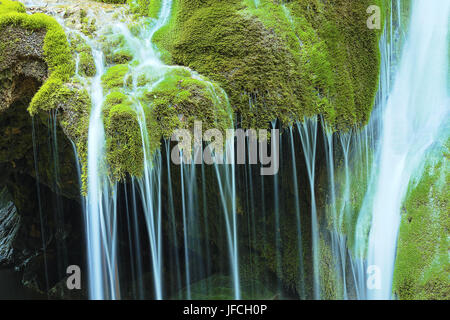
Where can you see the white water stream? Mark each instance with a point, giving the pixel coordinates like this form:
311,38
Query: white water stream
416,108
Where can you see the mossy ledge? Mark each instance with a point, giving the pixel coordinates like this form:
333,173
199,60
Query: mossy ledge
53,67
56,48
284,61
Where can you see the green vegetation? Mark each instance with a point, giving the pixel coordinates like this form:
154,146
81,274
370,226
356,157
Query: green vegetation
124,146
86,65
148,8
422,269
56,48
115,76
56,92
274,61
330,283
9,6
178,100
113,1
289,61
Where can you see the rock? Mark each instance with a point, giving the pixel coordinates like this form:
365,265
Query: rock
22,65
9,226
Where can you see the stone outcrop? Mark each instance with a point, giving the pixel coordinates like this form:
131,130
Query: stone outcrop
22,64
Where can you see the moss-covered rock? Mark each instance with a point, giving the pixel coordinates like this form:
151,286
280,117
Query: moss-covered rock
56,51
35,69
280,61
116,76
80,48
422,267
124,140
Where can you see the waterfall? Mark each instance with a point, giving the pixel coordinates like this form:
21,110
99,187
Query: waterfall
308,136
226,176
415,110
186,224
38,190
298,216
101,223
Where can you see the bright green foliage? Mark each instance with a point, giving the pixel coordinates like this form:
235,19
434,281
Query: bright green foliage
86,64
178,101
124,146
148,8
8,6
113,1
422,269
115,76
289,61
121,56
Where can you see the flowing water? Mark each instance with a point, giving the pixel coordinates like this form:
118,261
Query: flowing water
367,172
415,110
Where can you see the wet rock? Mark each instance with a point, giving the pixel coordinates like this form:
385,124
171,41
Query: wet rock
22,65
9,226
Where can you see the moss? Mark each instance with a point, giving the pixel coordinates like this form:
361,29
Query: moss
57,92
56,48
177,101
115,76
280,61
87,64
8,6
88,26
422,268
148,8
121,56
75,123
113,1
330,284
124,141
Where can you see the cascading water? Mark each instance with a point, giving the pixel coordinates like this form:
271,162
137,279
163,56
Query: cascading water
414,112
308,137
366,172
101,200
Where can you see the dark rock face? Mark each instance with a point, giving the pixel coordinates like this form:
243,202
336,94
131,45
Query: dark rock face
41,221
22,65
9,226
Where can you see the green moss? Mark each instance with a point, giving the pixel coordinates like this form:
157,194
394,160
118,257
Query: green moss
88,26
8,6
115,76
148,8
422,268
177,101
113,1
56,48
283,62
75,123
124,141
121,56
330,285
87,64
57,92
